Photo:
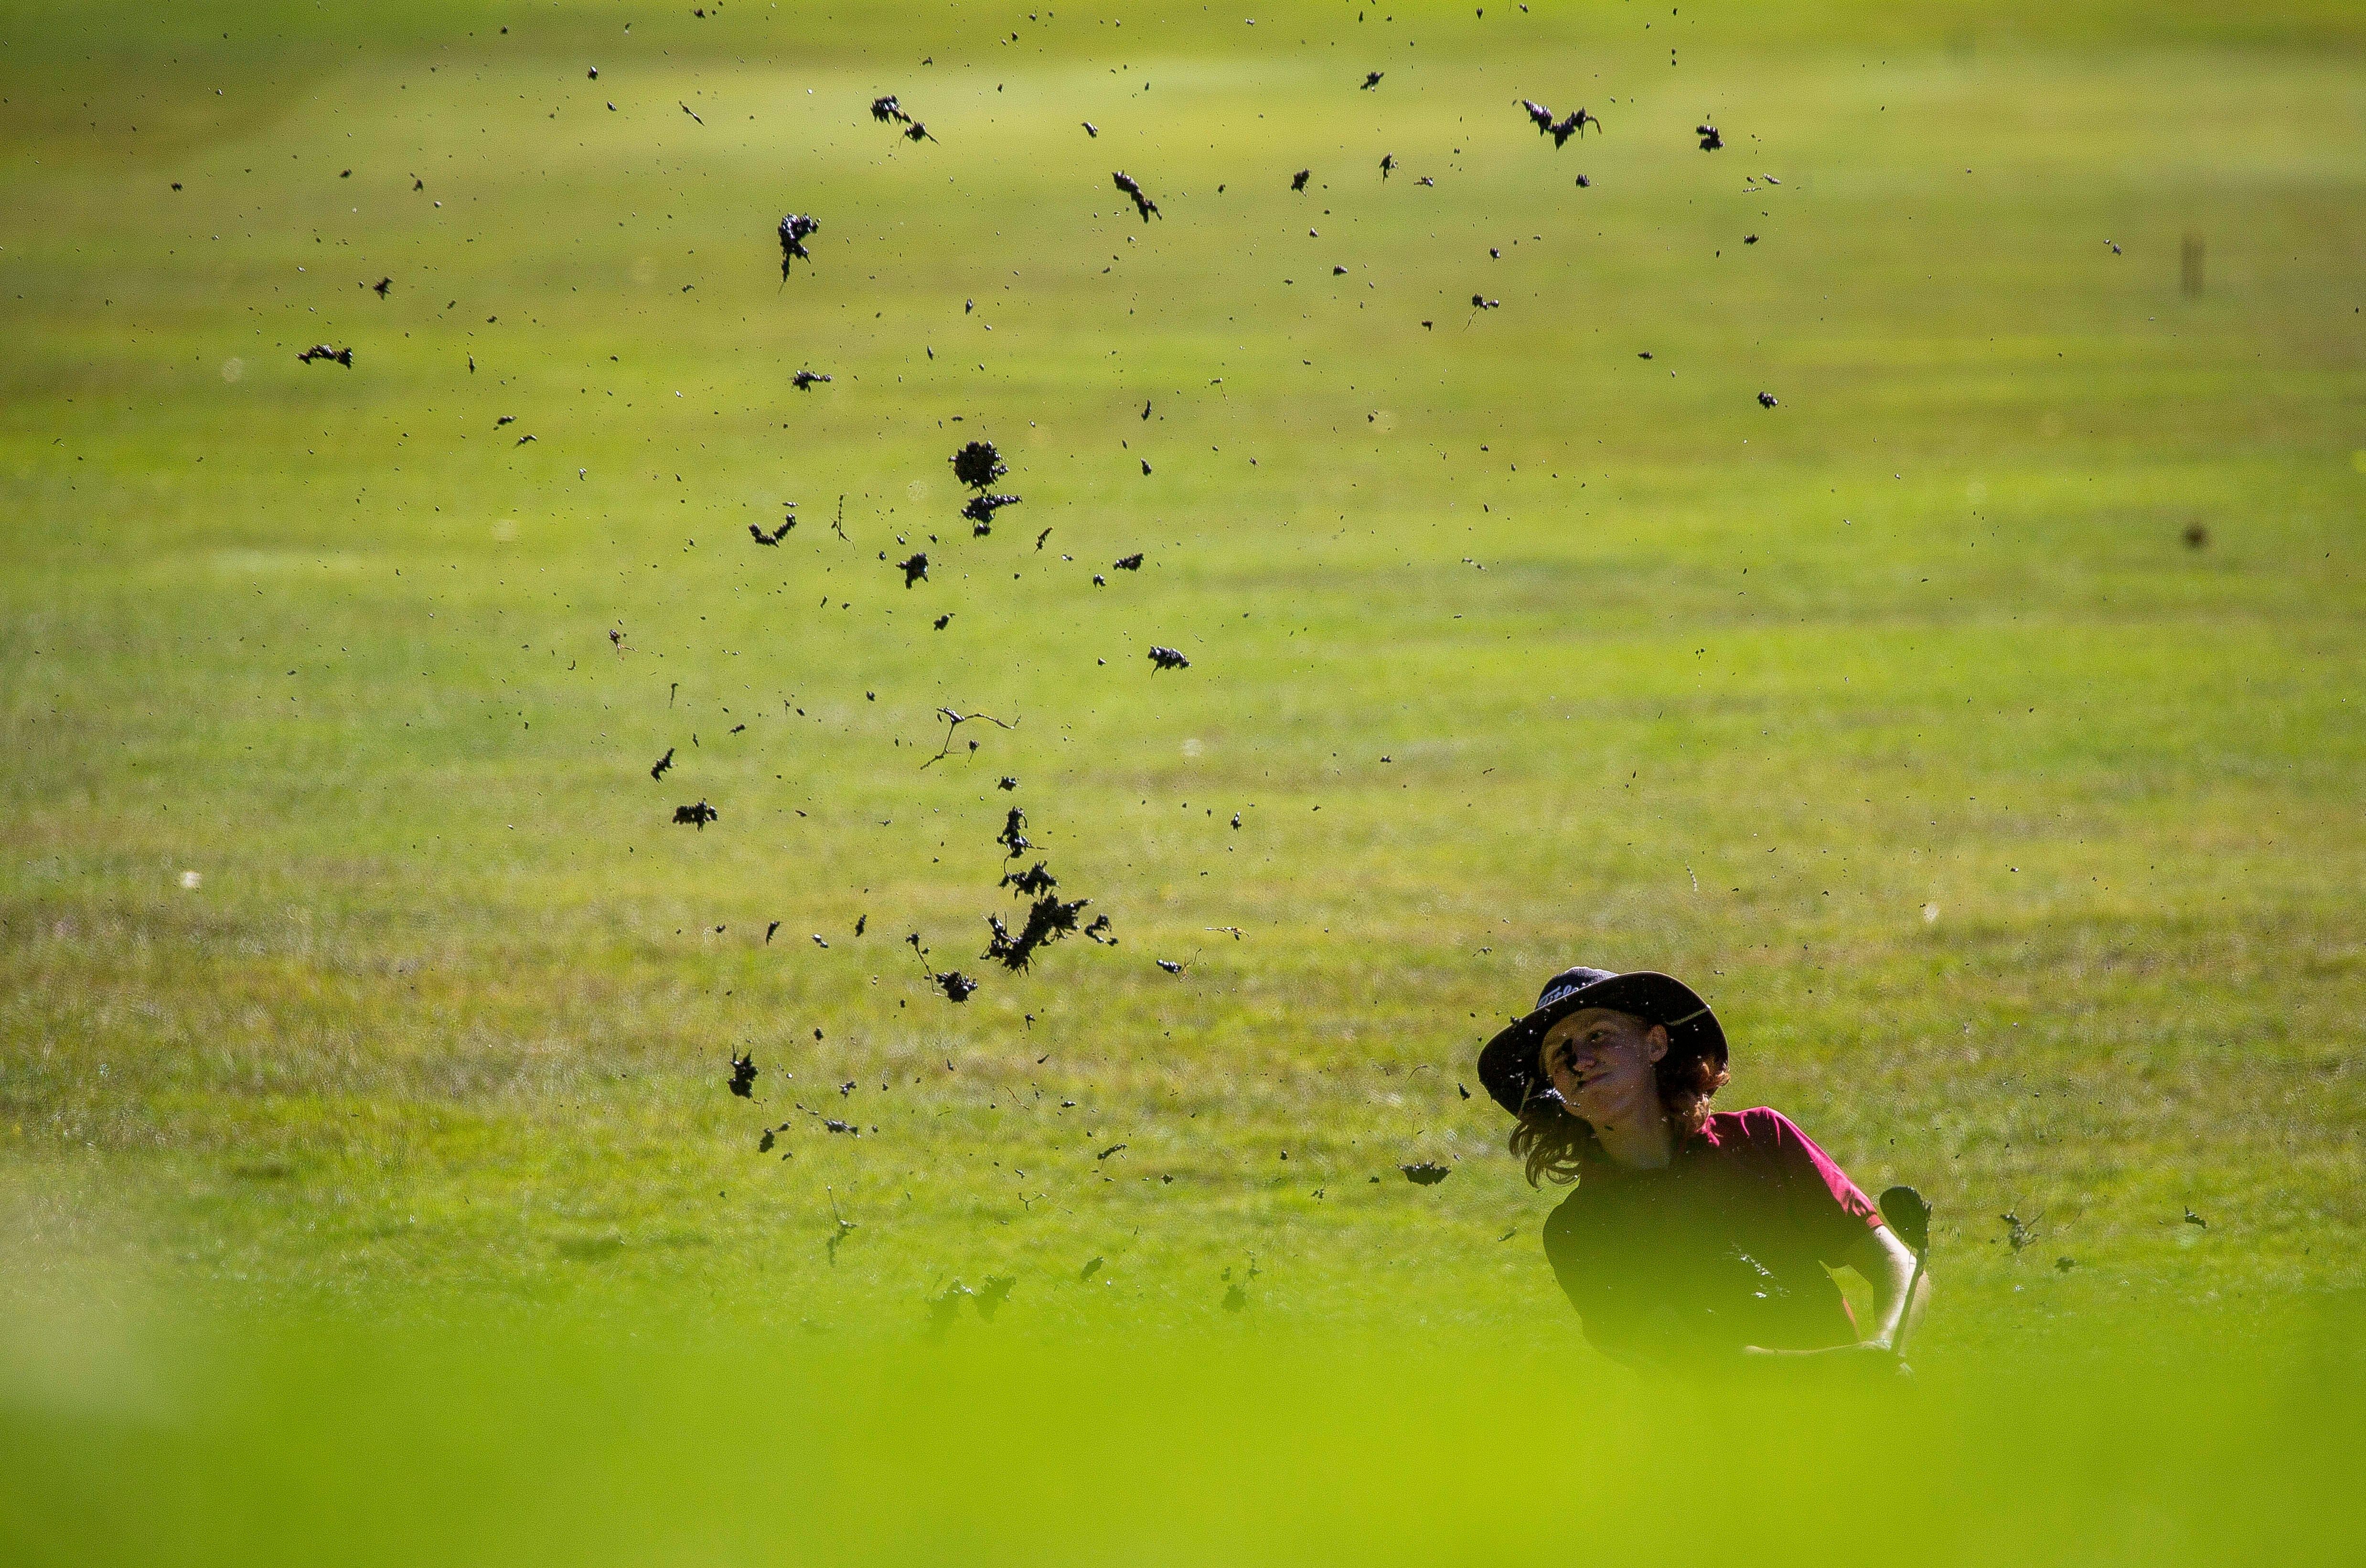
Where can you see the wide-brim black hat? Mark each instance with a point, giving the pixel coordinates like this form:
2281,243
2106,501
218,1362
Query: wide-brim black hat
1508,1067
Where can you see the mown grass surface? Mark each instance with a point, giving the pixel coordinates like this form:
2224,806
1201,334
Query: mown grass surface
2015,839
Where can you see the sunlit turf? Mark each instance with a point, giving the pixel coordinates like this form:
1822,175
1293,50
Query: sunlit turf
2015,838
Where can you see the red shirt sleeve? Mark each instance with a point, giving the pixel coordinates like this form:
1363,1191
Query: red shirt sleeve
1831,1211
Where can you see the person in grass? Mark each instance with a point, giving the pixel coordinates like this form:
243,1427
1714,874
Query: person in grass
1693,1236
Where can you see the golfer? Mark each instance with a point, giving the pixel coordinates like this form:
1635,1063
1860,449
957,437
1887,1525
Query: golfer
1693,1236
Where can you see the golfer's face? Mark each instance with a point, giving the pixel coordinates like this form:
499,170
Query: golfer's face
1603,1059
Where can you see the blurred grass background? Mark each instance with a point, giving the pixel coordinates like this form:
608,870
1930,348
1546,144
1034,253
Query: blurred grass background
349,958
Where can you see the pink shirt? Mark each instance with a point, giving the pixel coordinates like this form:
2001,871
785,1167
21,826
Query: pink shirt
1728,1245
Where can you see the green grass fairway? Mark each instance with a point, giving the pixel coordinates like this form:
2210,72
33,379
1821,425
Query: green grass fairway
350,959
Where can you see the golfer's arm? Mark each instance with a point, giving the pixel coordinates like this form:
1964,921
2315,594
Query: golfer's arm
1887,1266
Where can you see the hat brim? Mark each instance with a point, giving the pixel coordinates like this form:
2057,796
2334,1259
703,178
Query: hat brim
1508,1068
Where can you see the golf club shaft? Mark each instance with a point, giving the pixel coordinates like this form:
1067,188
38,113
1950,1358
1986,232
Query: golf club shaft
1905,1313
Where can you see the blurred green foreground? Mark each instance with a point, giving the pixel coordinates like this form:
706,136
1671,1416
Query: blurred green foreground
561,1446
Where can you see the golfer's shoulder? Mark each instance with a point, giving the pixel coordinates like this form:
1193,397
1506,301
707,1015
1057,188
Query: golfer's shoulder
1760,1122
1760,1130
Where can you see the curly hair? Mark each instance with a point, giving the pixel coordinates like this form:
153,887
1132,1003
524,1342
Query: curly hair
1554,1141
